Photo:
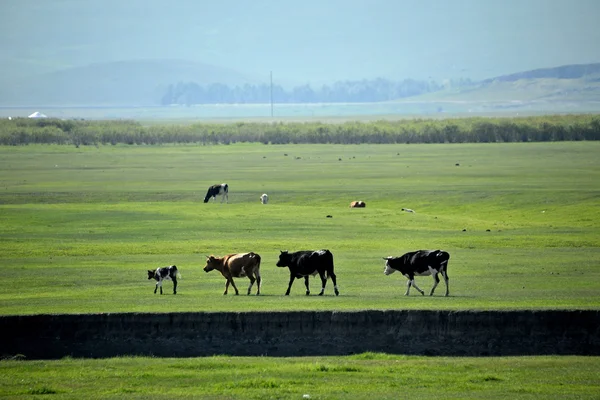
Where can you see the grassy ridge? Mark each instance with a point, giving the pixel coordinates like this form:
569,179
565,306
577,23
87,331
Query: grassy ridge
353,377
79,227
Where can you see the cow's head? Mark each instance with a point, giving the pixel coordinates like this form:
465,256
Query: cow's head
284,259
150,274
388,270
211,263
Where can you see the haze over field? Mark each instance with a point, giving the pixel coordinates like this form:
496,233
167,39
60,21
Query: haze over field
129,52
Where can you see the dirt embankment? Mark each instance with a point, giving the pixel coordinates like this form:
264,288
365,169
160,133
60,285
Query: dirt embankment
302,333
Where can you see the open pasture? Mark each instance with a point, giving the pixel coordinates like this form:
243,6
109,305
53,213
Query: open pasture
79,227
362,376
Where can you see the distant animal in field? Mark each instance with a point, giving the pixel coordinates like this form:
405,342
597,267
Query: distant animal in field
358,204
217,190
264,198
237,266
408,210
420,263
170,273
304,263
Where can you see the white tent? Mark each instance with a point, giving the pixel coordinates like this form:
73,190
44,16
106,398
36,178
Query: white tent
37,114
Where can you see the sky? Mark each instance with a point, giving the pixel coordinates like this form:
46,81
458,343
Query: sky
305,41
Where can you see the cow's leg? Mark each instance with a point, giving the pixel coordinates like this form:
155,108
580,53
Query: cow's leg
416,287
292,277
333,280
258,283
155,287
226,286
306,284
436,280
446,280
323,282
233,284
174,285
159,283
408,283
252,279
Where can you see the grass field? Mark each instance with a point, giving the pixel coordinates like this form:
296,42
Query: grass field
79,227
364,376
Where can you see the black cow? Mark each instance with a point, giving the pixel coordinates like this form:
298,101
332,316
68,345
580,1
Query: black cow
308,262
420,263
161,274
216,190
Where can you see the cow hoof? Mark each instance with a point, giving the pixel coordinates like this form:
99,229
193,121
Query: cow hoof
337,293
321,294
307,293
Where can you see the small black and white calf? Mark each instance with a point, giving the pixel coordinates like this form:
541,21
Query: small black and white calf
420,263
170,273
217,190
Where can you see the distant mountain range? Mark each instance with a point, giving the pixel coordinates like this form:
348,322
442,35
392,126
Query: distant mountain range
145,82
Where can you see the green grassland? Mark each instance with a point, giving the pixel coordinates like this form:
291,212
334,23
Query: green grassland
80,226
363,376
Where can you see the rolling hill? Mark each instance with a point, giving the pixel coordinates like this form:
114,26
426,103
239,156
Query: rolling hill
124,83
576,83
569,88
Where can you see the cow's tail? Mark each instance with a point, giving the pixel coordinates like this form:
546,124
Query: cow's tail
329,256
443,257
177,273
256,258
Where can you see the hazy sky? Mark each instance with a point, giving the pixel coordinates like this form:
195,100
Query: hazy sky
306,41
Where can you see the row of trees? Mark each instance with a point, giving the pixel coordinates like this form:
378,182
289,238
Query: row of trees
24,131
345,92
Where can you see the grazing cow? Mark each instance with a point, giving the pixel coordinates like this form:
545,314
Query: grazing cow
305,263
216,190
236,266
170,273
358,204
420,263
264,199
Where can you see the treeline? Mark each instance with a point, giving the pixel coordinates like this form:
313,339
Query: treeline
24,131
340,92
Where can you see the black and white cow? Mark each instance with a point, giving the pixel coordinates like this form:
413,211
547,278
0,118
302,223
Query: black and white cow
309,262
420,263
161,274
217,190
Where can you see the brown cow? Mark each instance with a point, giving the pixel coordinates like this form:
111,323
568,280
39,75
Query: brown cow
236,266
358,204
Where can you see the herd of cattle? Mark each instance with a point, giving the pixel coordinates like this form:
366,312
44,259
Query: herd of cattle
303,264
